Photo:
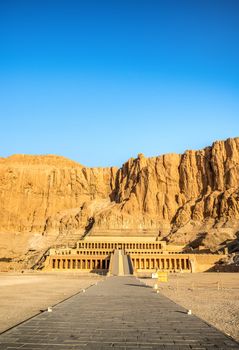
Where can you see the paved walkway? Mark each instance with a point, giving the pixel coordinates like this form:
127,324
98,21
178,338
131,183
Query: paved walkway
119,313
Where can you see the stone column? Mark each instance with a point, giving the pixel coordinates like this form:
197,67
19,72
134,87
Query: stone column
184,264
143,263
174,263
188,263
170,264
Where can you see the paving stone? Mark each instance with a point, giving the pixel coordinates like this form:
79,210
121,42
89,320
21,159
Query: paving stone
119,313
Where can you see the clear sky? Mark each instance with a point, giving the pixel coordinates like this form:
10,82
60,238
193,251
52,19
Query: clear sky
101,81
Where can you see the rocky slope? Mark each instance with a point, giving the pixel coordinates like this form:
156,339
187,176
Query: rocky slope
191,198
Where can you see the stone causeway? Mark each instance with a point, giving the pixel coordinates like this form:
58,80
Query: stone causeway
117,313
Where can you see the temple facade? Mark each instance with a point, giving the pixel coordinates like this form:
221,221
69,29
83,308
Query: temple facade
131,255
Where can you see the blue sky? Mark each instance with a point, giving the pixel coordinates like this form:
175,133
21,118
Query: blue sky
101,81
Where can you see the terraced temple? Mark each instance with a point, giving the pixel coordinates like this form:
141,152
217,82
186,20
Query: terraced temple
128,255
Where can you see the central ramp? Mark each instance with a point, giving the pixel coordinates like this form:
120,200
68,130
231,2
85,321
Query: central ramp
119,313
120,264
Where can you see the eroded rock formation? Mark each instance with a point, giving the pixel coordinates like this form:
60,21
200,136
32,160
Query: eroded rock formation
193,197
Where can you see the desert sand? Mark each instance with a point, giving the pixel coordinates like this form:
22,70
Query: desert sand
25,295
214,297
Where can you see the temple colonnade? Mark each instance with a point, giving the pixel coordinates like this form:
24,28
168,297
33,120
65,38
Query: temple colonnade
171,263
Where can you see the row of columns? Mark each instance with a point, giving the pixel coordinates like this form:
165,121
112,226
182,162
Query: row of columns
119,245
107,252
161,264
82,264
138,263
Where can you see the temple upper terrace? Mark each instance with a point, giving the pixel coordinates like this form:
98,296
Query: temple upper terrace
136,254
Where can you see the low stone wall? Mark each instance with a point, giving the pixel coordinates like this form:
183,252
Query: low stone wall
206,262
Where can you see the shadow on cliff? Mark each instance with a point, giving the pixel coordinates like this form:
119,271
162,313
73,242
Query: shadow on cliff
232,245
197,242
89,226
231,263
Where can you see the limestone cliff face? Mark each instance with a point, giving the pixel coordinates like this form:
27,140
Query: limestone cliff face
175,189
185,197
35,189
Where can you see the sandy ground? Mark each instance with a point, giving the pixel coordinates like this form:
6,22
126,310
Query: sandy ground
24,295
214,297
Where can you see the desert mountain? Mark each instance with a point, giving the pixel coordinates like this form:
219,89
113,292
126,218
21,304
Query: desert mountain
190,198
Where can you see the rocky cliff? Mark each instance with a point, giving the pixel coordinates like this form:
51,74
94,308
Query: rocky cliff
191,198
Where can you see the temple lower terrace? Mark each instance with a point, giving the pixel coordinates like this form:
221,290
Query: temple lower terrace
125,256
